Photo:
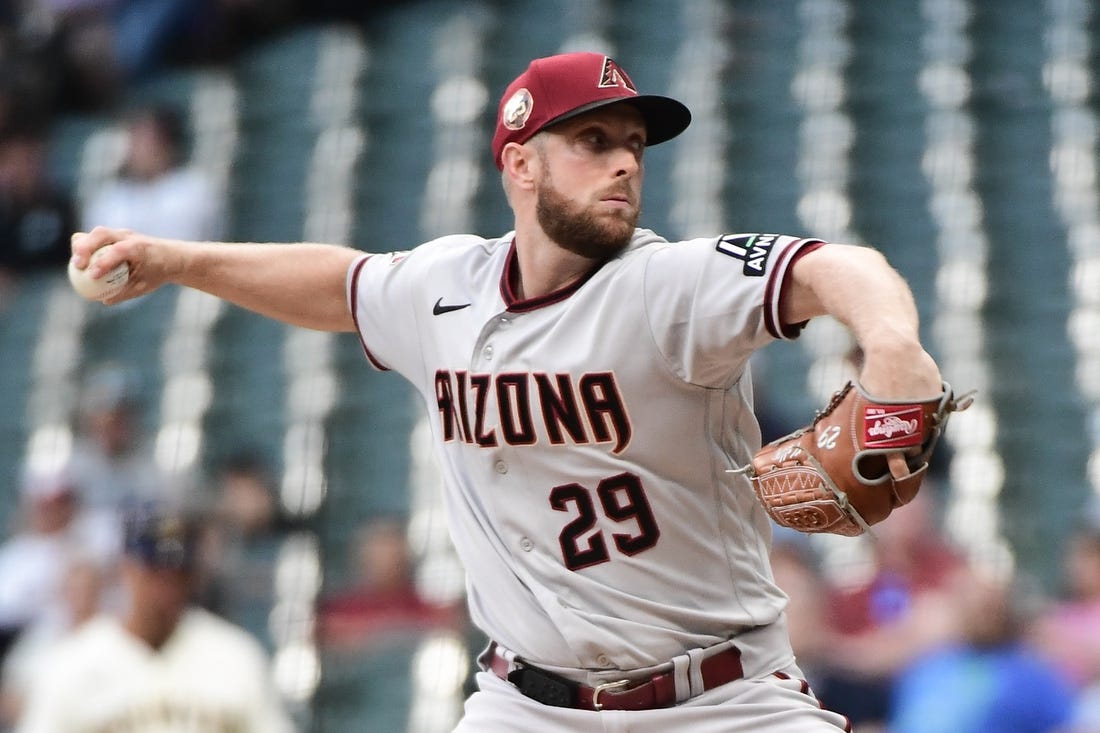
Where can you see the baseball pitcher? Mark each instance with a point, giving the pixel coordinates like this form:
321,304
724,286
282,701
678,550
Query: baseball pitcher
588,387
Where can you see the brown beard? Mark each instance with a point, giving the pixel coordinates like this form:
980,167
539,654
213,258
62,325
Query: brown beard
580,230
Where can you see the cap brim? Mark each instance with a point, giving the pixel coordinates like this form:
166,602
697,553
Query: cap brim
664,117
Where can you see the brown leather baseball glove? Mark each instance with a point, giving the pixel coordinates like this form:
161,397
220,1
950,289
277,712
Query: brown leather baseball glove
858,460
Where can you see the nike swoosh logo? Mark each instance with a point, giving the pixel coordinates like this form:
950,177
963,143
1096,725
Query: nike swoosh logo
439,309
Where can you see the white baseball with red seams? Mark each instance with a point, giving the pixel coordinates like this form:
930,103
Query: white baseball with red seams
584,438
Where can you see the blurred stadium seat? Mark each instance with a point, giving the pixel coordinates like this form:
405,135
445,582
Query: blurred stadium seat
19,330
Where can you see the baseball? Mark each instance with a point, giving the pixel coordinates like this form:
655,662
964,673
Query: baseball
102,287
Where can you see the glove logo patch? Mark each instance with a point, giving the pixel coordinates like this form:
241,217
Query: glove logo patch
899,426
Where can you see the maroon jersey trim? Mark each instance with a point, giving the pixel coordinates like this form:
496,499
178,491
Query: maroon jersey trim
509,281
780,279
355,313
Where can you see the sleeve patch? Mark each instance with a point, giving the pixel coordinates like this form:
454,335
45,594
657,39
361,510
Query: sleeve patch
752,249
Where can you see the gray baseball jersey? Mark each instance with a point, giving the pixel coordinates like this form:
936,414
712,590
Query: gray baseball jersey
584,438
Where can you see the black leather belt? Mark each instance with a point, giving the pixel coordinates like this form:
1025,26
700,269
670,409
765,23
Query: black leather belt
659,691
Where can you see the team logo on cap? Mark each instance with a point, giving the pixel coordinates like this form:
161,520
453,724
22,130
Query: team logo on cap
517,109
613,75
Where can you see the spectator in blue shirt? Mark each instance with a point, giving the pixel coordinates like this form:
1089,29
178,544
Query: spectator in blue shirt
990,681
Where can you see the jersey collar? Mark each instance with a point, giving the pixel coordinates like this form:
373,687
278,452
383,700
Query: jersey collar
509,285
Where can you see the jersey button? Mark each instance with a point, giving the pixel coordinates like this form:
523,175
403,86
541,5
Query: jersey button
526,545
501,467
487,352
603,660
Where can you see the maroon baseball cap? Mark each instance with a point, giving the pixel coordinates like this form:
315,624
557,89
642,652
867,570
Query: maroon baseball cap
556,88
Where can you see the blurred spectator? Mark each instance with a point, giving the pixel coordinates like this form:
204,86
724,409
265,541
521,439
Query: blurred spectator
1068,632
95,48
51,532
988,681
81,595
898,611
28,75
242,542
149,34
164,664
156,191
73,41
383,600
36,215
82,55
112,462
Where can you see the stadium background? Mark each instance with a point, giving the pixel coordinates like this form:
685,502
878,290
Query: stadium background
957,136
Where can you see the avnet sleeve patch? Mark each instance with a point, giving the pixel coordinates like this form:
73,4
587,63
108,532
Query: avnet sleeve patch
752,249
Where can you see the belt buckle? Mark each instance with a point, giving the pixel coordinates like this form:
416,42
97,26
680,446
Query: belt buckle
618,684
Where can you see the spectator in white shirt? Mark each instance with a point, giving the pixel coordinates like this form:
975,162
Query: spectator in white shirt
156,190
